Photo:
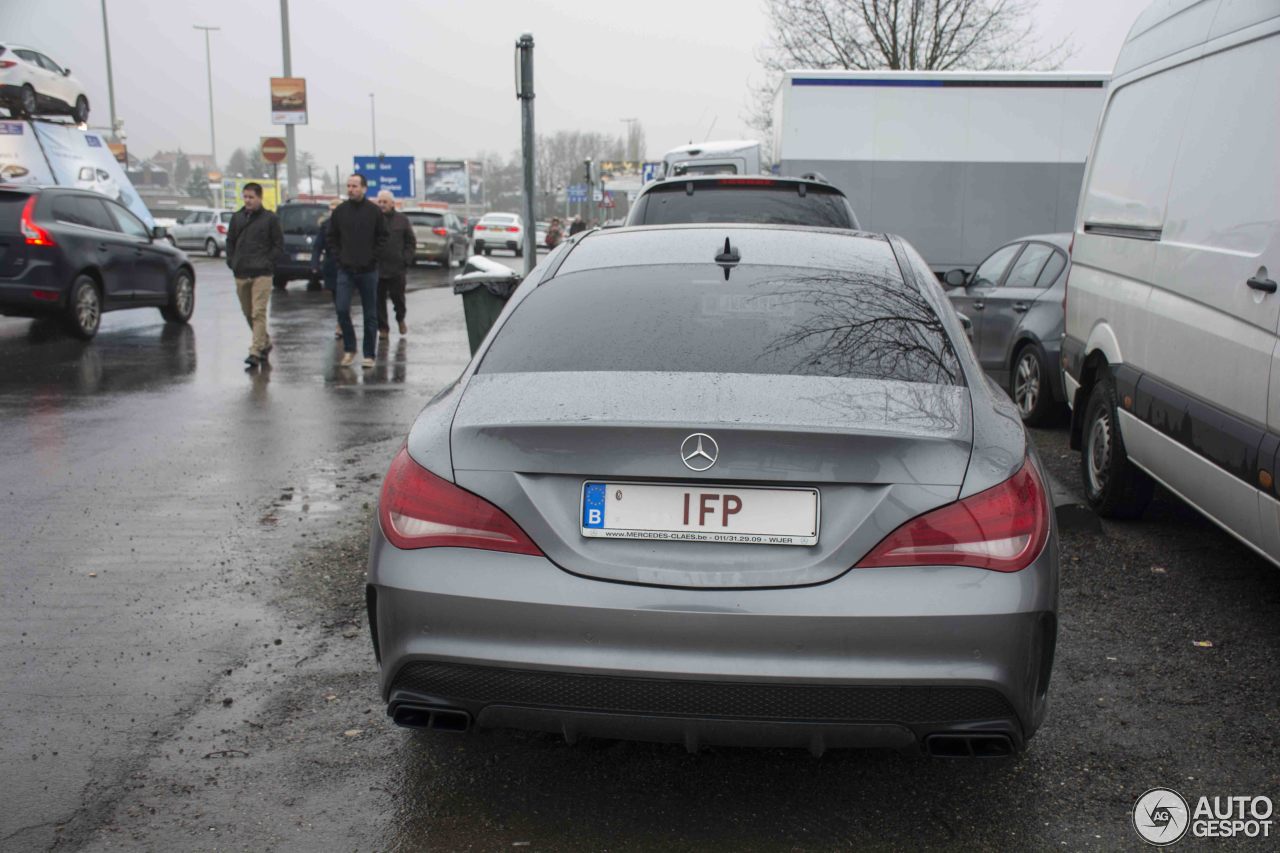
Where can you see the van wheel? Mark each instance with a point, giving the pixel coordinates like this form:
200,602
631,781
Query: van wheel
1029,385
1113,486
84,310
211,248
182,299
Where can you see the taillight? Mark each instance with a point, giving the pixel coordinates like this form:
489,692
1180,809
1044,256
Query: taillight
745,182
442,232
7,63
481,228
222,229
1003,529
420,510
513,228
36,236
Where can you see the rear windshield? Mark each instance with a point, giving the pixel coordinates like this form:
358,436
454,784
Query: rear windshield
430,220
744,200
302,218
11,211
860,322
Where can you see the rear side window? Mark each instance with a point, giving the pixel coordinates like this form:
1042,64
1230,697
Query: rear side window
744,200
1051,270
859,322
426,220
1027,268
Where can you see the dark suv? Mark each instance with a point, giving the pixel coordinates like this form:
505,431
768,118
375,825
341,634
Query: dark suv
75,254
757,199
300,222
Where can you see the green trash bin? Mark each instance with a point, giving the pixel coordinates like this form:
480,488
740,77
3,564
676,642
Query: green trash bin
484,294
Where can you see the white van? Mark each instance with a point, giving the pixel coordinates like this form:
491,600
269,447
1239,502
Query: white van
1171,354
731,157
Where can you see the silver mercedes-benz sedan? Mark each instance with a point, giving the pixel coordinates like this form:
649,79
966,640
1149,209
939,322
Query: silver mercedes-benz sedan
721,485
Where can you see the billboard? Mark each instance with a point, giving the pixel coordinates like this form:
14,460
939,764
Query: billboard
475,173
81,159
387,173
21,160
445,180
233,190
288,100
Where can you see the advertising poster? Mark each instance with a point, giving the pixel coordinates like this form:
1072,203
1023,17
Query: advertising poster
387,173
233,190
21,161
445,180
288,100
83,160
475,173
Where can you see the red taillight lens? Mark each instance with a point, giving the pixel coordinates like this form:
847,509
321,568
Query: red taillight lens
512,228
441,232
1003,529
7,63
745,182
481,228
420,510
36,236
222,229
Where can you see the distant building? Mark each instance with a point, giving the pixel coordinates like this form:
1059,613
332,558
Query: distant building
168,160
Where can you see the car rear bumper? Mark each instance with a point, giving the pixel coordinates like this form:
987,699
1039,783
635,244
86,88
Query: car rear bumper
433,248
491,243
38,292
877,657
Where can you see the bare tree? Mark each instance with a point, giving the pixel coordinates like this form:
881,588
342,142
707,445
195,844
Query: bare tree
897,35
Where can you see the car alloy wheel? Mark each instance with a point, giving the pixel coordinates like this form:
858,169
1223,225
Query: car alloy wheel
1026,383
184,295
86,308
211,248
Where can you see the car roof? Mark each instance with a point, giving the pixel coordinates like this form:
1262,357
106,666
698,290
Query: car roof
1062,241
742,181
772,245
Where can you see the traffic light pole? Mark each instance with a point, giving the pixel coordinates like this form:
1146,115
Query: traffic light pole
524,91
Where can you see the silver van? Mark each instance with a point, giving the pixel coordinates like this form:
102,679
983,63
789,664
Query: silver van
1171,355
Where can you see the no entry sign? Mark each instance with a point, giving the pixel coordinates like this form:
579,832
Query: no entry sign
273,149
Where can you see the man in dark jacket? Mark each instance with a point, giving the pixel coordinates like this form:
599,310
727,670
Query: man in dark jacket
357,233
393,259
254,241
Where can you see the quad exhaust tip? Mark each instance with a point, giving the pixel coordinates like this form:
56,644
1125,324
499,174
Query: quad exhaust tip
969,746
431,717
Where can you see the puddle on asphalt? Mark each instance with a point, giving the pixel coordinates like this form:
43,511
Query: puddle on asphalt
318,493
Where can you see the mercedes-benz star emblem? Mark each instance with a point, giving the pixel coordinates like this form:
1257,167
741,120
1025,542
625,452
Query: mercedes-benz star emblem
699,451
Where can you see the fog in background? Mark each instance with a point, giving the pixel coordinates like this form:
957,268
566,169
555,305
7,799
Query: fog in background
442,71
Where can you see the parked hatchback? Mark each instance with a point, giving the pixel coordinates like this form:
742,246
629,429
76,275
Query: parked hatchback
74,254
439,236
1014,302
203,228
721,484
761,199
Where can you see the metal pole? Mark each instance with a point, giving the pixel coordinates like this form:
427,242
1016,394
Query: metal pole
208,63
373,125
290,155
111,89
525,94
311,185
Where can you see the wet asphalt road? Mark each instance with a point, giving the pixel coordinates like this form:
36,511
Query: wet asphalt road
187,664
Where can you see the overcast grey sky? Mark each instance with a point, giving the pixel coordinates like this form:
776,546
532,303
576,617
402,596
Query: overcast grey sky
442,69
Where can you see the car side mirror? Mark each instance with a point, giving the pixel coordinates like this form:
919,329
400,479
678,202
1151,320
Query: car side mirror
66,72
158,232
968,325
955,278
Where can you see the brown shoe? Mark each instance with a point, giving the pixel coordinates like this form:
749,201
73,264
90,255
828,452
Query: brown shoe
348,359
404,330
383,334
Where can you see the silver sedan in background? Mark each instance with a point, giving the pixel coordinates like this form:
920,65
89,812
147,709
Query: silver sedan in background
721,484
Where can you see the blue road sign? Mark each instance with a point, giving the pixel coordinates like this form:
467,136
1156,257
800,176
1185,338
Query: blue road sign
577,192
387,173
648,172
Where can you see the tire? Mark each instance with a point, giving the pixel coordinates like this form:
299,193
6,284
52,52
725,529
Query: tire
1113,486
280,282
1029,385
182,299
84,309
211,248
488,252
519,253
27,104
80,112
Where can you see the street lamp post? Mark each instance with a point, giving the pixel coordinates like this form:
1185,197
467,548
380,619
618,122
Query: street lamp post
111,89
291,155
373,125
208,63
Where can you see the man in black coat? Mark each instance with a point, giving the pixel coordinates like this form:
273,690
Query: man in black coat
254,242
357,233
393,259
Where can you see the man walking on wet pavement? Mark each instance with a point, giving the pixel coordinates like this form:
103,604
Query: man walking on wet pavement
254,241
357,234
393,259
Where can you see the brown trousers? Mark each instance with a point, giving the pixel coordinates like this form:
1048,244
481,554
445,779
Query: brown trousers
254,295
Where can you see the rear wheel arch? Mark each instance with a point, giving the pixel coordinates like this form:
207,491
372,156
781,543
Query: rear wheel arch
1095,365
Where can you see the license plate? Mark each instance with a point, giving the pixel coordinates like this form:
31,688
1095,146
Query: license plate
302,256
700,513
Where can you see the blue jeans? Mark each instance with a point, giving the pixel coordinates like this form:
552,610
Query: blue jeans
367,284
